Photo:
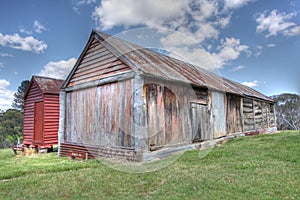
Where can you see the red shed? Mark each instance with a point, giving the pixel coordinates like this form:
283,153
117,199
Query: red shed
41,112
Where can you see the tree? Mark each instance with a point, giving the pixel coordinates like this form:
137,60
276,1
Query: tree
18,102
1,114
10,127
287,109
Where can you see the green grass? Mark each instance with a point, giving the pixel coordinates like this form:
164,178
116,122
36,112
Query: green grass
256,167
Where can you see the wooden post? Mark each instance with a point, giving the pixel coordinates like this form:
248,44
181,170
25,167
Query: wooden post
62,112
139,125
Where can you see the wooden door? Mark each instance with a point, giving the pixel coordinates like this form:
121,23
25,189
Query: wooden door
199,121
38,121
218,114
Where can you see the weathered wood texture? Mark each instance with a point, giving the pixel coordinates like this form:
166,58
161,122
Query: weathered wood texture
200,122
248,112
257,114
82,151
164,115
218,114
100,115
233,114
97,63
169,112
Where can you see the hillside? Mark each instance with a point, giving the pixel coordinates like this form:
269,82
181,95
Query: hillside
256,167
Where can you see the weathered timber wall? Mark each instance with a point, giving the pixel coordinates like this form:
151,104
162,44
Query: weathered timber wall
169,113
97,63
200,122
248,114
100,115
257,114
79,150
233,114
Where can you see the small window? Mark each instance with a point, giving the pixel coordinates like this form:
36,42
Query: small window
271,108
201,95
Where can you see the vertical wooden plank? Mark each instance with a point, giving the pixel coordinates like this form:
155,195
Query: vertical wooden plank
139,116
253,113
242,114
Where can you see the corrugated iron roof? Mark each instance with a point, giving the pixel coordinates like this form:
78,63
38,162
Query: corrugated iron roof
48,85
149,62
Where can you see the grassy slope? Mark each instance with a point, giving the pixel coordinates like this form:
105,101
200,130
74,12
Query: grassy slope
257,167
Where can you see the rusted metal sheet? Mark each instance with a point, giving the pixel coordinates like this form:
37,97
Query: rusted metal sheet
41,112
100,115
159,65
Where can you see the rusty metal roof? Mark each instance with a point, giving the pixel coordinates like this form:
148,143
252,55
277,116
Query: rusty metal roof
149,62
48,85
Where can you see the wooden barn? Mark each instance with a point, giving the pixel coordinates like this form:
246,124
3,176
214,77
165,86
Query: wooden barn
124,100
41,112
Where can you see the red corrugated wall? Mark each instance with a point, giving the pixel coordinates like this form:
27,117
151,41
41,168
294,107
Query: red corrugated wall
51,117
34,95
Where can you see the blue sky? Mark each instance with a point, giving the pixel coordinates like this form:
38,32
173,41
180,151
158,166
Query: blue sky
256,43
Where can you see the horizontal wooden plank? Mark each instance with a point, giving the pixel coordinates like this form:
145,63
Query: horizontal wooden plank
96,69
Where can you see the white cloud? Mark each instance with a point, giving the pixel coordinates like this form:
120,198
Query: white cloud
59,69
1,65
38,27
258,50
253,83
5,55
6,95
275,23
126,13
229,50
293,31
271,45
78,4
237,68
233,4
22,29
29,43
195,22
